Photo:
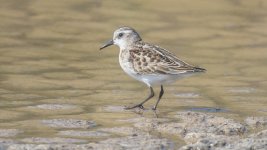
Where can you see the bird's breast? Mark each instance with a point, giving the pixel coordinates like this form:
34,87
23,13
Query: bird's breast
126,62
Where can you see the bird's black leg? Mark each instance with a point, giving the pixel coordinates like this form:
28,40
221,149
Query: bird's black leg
141,104
160,95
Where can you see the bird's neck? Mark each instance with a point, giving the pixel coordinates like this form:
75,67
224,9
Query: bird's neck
127,45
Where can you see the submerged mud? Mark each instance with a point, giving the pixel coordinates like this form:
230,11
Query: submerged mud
197,130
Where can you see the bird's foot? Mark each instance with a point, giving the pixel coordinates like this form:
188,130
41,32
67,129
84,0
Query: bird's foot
154,109
135,106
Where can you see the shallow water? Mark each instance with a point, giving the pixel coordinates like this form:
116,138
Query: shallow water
49,55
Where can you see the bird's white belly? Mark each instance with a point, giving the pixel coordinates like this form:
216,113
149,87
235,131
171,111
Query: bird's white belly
157,79
153,79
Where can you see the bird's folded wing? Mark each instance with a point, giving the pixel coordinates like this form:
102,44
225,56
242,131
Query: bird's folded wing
155,60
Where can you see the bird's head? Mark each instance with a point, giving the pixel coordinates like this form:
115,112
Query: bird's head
123,37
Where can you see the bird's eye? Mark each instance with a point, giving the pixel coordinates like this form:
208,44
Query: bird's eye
121,34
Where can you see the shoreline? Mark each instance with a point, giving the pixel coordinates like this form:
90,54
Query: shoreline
198,130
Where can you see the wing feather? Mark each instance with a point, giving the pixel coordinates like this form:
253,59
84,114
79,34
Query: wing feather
150,59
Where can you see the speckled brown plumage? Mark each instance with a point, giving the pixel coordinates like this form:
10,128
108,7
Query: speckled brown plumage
150,59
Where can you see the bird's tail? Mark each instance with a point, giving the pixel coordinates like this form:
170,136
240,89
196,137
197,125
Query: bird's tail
198,69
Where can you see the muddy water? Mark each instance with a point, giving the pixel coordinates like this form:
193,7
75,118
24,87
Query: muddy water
51,68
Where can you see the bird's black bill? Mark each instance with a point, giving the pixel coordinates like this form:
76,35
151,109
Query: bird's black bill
107,44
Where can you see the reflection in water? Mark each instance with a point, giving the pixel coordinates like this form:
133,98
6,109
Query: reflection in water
49,55
207,109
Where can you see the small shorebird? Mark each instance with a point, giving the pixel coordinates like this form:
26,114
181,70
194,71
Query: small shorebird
148,63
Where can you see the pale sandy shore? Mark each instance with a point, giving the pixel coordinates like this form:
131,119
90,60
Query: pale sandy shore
197,130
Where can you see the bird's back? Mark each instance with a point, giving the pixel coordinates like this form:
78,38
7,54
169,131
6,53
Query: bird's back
151,59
